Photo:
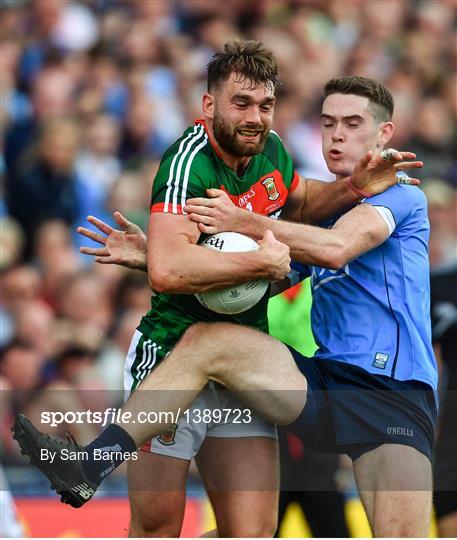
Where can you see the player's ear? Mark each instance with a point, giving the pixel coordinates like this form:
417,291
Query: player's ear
386,131
208,105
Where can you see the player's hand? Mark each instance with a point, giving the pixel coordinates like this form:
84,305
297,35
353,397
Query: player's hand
276,257
126,246
374,173
214,214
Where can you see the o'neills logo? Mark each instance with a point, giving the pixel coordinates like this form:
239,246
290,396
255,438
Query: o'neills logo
167,438
270,186
400,431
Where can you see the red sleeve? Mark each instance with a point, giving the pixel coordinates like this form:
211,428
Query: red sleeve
295,182
160,206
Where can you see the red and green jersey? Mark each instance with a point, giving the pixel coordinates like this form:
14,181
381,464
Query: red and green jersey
188,168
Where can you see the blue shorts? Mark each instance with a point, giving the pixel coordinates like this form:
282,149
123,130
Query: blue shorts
351,411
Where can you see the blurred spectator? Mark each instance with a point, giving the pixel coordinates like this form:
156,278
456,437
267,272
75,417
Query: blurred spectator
105,86
21,365
15,107
83,300
98,162
51,96
128,197
56,27
47,186
133,292
55,255
139,141
433,140
21,285
11,242
442,210
34,325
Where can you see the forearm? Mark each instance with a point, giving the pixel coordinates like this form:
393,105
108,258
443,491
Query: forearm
313,245
323,200
199,269
309,245
355,233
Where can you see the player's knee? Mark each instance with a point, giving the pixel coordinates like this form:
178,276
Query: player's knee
198,334
157,525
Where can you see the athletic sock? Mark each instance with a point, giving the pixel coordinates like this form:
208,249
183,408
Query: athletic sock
111,448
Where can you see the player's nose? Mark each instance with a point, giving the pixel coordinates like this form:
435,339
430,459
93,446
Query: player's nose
253,116
338,133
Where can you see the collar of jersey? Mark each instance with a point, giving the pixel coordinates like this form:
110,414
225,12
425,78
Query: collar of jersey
212,142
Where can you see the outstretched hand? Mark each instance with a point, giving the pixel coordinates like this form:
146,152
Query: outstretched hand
214,214
374,173
126,246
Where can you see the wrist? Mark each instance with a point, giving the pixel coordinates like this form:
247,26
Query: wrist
251,224
361,194
256,264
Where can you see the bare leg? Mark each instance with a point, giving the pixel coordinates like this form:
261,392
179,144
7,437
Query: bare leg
241,476
395,484
257,368
157,495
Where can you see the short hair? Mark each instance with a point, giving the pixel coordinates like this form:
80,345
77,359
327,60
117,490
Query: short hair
249,58
380,98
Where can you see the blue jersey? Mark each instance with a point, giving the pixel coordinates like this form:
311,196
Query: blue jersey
375,312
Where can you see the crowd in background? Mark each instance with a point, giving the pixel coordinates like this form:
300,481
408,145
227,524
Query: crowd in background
92,92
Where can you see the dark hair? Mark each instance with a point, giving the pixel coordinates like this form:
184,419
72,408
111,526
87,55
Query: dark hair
380,98
249,58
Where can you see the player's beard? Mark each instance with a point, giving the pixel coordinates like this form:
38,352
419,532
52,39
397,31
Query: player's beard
226,136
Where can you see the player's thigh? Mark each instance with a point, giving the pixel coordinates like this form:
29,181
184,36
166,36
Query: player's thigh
241,476
157,494
395,483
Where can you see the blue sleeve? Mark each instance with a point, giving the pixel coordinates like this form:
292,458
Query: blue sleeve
401,200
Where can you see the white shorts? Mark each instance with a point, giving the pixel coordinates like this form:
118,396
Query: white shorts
214,413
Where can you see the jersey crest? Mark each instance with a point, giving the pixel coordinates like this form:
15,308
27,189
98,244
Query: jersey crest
270,186
265,196
167,438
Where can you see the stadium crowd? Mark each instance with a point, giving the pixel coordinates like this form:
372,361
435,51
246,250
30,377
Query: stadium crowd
93,92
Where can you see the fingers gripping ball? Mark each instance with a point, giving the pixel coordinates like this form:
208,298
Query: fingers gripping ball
238,298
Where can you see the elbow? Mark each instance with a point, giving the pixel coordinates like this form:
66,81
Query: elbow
334,259
162,280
